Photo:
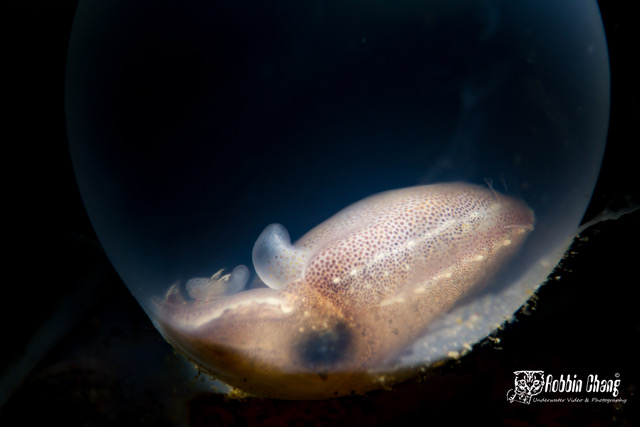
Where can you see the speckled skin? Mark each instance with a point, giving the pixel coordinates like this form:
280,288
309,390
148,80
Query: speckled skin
351,294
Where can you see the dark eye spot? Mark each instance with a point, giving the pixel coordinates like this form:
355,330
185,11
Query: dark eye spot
321,350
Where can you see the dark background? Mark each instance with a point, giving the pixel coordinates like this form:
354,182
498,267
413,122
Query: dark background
583,323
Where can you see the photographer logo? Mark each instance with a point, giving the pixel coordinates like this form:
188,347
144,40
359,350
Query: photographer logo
528,385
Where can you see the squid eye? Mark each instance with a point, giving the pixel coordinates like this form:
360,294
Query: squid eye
322,350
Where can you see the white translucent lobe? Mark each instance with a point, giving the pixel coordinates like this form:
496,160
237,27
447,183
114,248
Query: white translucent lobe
277,262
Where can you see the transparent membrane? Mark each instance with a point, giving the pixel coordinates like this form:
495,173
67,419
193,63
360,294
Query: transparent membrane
194,126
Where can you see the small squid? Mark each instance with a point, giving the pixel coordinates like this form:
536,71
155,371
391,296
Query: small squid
350,296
